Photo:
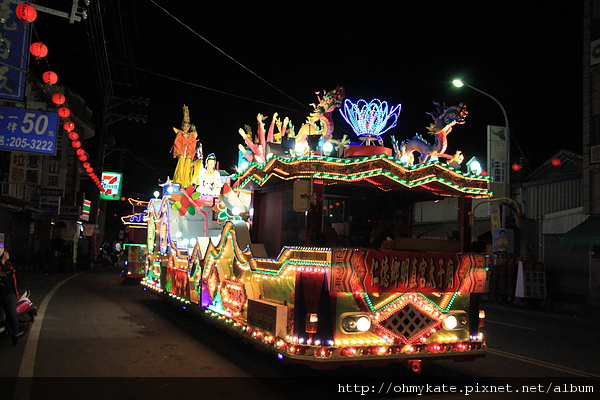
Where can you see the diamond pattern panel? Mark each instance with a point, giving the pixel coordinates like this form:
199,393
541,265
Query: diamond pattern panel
408,322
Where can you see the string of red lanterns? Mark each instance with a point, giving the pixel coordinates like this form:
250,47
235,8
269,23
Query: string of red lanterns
27,14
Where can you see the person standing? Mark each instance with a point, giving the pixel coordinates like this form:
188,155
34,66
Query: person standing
9,295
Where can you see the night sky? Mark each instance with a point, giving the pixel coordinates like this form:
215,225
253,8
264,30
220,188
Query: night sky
242,59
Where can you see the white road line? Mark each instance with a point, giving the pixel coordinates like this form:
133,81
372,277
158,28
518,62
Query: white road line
23,386
543,364
514,326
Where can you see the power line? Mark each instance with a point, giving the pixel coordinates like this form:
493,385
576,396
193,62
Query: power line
197,85
225,54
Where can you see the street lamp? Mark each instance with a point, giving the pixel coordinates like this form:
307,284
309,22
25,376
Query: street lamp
459,83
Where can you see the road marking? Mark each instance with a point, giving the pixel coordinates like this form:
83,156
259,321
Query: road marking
23,387
514,326
543,363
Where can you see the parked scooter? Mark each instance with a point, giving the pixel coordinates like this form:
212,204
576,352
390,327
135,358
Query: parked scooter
110,259
26,313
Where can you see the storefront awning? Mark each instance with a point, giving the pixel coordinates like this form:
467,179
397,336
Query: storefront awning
586,233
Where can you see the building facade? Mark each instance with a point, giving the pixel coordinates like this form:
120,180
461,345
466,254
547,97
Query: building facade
40,194
588,232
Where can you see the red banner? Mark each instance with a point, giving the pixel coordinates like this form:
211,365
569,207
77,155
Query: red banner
401,271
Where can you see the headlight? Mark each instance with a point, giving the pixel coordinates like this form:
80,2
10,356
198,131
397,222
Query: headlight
455,321
356,323
450,322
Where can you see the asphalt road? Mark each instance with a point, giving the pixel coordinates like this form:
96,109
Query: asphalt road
98,336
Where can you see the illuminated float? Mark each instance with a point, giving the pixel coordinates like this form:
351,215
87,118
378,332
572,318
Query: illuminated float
294,256
134,250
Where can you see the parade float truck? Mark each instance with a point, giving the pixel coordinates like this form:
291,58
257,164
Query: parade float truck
134,249
285,255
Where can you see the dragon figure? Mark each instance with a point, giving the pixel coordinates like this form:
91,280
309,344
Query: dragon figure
444,120
319,121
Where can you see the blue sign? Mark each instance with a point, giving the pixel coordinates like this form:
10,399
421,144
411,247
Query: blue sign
137,219
28,130
14,52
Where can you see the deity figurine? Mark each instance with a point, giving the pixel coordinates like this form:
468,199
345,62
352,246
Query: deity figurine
184,149
209,178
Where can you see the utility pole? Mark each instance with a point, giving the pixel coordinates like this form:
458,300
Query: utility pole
112,113
114,117
77,13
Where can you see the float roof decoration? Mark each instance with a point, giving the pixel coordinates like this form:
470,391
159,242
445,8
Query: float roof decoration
370,119
379,171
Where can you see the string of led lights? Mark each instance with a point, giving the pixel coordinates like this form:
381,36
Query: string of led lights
350,170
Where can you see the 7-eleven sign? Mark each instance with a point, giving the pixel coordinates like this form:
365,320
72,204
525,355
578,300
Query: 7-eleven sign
85,211
112,183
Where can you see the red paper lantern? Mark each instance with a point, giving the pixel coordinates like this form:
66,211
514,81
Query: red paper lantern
58,99
89,170
484,173
76,144
64,112
123,199
83,158
516,167
86,165
556,162
26,13
73,135
50,77
68,126
39,50
80,152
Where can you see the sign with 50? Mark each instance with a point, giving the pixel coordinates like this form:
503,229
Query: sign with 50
28,130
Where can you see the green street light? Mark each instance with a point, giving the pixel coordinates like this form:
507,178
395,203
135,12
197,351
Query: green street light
458,83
